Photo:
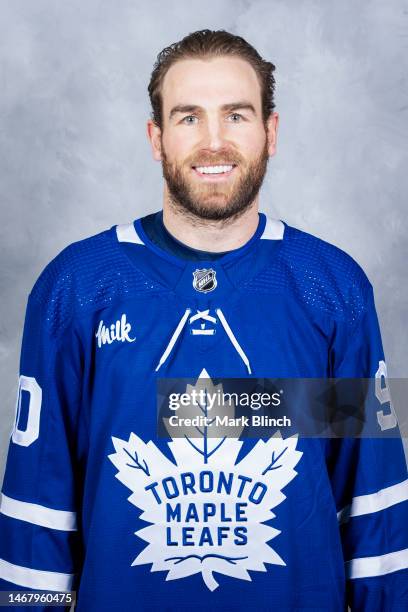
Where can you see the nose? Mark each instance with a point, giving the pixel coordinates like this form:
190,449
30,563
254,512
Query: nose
213,134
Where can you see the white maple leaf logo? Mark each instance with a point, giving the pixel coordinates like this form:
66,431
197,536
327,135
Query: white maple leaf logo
199,436
206,512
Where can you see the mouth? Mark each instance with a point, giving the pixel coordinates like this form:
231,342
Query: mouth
214,172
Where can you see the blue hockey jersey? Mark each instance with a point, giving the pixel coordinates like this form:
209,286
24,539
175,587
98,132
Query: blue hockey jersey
94,501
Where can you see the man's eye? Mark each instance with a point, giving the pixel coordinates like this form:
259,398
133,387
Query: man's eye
186,119
236,118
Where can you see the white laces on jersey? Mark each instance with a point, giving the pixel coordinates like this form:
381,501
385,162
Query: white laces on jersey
205,316
173,339
233,339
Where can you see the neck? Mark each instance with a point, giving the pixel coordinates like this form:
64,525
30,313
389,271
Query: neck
208,235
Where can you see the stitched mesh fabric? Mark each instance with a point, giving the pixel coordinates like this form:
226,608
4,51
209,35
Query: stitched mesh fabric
87,275
317,274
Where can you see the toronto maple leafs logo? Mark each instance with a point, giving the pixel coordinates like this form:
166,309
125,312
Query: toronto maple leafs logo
206,513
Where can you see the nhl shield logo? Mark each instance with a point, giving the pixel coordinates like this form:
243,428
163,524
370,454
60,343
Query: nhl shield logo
204,280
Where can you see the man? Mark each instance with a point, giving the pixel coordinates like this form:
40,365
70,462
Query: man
93,499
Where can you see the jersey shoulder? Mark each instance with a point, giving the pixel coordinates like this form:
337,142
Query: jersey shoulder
325,276
323,259
86,275
317,274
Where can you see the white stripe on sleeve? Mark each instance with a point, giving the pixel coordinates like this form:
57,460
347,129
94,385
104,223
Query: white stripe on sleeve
35,579
38,515
366,504
367,567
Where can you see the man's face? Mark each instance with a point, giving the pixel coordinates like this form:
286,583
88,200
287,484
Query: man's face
214,146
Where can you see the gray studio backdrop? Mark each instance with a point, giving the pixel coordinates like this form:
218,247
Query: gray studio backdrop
74,157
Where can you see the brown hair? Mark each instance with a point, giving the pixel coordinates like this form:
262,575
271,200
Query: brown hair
210,43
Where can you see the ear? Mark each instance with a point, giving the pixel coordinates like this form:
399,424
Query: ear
272,132
154,135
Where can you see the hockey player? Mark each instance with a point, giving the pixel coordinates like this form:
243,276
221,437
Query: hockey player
93,499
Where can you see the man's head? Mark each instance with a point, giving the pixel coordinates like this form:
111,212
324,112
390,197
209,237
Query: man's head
213,125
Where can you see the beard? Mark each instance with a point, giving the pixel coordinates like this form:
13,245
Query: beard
216,201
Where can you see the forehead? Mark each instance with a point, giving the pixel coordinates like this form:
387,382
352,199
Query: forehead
210,83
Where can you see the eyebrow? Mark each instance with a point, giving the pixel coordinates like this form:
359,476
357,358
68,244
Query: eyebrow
190,108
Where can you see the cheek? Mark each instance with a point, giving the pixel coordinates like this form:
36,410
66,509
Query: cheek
179,146
251,144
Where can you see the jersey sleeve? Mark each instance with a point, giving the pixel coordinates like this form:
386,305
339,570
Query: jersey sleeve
369,482
40,547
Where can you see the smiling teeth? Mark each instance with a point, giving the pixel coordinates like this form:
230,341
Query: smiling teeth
213,169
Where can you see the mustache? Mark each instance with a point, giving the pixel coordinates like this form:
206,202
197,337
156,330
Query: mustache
218,160
214,162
